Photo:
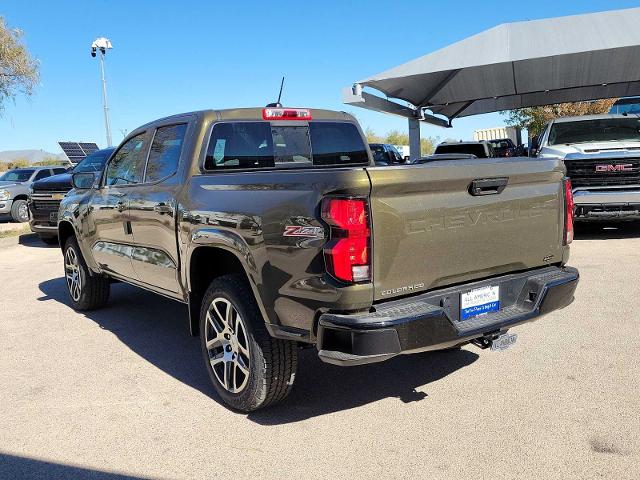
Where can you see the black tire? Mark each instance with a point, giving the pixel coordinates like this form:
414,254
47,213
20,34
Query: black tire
271,362
18,209
48,239
92,291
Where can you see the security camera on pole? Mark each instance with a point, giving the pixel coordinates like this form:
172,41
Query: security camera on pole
102,45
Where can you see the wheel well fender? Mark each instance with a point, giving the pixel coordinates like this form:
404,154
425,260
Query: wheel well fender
207,263
65,230
22,196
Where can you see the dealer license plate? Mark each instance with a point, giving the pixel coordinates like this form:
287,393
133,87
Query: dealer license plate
479,301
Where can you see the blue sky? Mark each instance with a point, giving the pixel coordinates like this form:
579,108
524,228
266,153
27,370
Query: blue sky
171,57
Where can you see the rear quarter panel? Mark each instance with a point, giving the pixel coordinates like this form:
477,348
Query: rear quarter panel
247,213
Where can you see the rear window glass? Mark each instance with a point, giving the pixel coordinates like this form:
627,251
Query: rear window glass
335,143
251,145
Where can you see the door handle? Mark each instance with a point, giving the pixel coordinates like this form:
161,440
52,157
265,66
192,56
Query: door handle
488,186
162,208
117,194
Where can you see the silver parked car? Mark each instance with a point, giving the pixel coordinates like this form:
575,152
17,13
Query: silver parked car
14,189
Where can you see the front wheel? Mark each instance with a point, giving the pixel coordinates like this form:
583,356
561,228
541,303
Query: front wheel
248,368
87,292
20,211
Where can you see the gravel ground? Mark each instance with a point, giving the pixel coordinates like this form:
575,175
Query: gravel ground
121,393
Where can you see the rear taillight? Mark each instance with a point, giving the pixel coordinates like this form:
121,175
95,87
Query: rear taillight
286,114
347,254
568,212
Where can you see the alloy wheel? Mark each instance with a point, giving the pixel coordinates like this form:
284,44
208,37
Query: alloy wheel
227,345
72,273
23,212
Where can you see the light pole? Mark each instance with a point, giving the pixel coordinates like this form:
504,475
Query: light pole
102,45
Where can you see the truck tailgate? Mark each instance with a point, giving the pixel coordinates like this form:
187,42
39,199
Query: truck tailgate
429,231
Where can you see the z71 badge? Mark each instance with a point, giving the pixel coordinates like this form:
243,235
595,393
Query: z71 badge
299,231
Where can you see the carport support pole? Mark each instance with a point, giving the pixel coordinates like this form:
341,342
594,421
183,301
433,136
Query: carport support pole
414,139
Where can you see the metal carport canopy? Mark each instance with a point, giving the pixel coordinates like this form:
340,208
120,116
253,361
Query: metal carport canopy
514,65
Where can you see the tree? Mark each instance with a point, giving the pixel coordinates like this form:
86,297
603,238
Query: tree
395,137
371,135
19,72
428,145
48,161
534,118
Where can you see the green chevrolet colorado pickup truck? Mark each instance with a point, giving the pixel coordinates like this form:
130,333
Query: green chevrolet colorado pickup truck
277,230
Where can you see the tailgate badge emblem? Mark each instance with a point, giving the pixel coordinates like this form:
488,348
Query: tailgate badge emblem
301,231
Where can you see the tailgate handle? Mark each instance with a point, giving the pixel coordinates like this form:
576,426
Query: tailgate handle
488,186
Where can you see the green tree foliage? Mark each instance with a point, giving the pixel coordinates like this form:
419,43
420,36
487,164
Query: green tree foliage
19,72
534,118
47,161
395,137
372,137
16,163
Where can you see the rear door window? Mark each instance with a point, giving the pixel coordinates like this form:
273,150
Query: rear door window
165,152
253,145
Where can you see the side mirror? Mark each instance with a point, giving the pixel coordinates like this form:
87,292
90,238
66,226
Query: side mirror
83,180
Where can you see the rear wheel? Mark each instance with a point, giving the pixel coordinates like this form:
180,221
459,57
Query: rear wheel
87,292
248,368
20,211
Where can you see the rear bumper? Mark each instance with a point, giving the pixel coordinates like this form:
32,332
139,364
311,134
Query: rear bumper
607,204
431,321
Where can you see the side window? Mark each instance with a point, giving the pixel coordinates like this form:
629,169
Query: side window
165,152
125,166
396,155
240,145
56,171
42,174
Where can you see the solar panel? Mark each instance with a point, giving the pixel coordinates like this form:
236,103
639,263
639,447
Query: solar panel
76,151
88,147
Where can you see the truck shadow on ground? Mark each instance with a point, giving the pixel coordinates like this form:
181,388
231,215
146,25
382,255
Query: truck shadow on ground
157,329
606,231
25,468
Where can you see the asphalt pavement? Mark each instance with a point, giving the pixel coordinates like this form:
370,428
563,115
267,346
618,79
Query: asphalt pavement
122,393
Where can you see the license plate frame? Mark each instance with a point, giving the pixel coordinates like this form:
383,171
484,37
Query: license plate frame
479,301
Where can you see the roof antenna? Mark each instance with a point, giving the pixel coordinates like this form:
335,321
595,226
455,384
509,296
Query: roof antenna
278,104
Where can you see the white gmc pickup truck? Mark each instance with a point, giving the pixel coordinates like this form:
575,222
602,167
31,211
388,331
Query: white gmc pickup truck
602,157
